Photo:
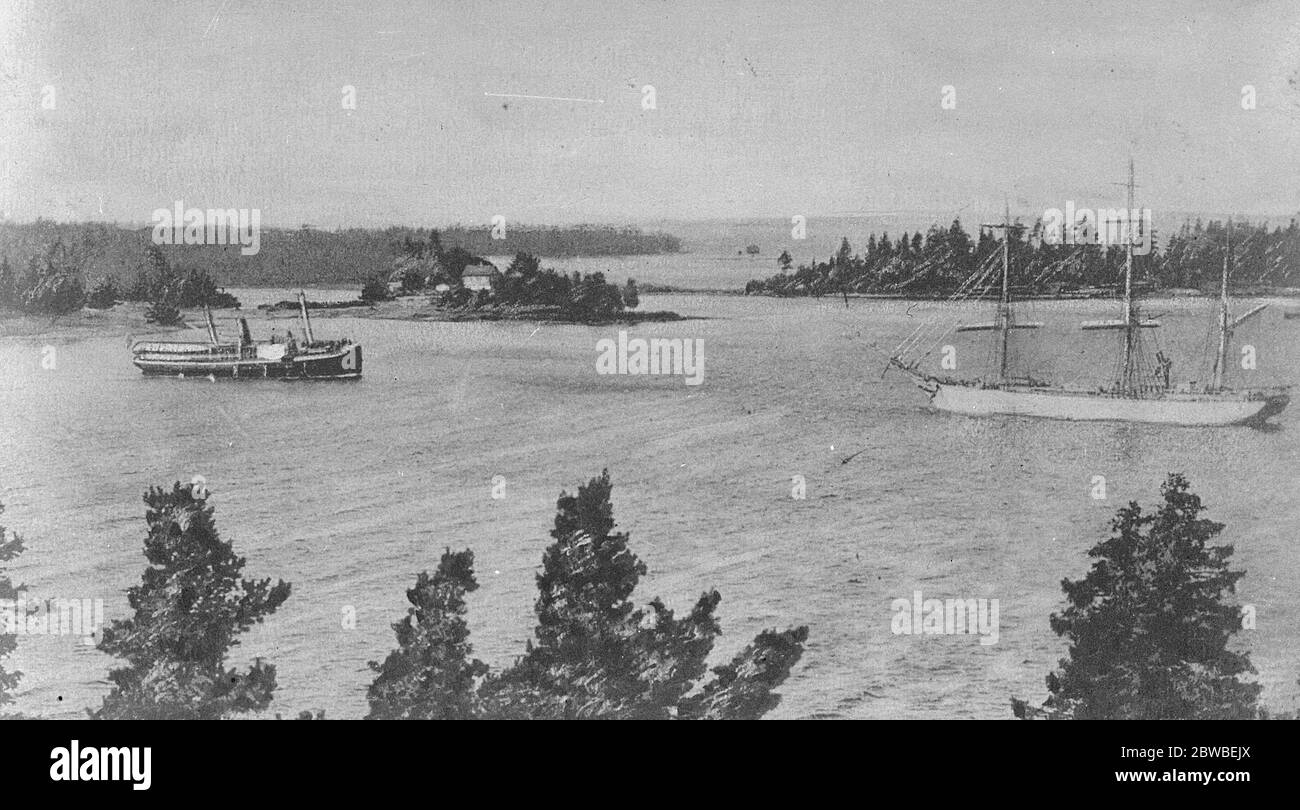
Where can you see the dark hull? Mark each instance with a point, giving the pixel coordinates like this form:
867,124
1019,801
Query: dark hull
339,365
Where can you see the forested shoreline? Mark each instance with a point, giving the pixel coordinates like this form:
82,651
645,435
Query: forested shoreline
56,279
307,256
48,267
938,262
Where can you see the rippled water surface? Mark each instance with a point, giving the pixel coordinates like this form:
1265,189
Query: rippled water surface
348,490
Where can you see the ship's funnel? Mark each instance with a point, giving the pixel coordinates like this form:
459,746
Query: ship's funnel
306,319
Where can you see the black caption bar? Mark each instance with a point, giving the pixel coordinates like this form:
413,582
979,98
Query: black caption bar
147,760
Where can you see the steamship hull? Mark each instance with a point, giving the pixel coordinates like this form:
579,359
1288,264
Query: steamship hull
199,360
1193,409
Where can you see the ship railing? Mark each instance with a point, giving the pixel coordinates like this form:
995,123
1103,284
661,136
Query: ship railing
163,352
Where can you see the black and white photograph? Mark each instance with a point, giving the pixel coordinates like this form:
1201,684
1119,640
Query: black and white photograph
650,360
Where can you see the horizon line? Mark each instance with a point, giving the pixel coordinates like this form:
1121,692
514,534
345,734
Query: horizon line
937,214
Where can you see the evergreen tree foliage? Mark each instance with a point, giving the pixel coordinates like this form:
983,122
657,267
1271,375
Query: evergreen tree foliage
1149,626
594,654
189,609
11,545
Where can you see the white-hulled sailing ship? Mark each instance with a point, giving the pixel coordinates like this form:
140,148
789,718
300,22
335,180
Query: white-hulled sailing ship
1135,396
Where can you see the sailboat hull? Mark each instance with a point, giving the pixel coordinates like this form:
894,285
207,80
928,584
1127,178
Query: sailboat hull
1214,405
1227,408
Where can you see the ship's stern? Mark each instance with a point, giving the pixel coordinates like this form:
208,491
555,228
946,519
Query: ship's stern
344,364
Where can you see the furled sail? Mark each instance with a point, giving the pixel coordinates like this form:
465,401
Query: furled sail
993,325
1117,323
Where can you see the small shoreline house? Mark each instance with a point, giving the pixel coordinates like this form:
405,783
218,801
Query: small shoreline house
478,276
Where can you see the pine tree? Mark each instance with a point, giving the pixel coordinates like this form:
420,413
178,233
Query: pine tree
845,251
430,676
190,607
1150,623
594,654
8,285
53,286
154,278
105,294
162,313
11,545
885,247
375,289
746,687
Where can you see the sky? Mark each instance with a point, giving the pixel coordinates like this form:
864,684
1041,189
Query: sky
111,110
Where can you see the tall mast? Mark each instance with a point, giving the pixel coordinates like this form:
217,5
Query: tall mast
212,327
1221,362
1003,323
1126,378
306,321
1004,310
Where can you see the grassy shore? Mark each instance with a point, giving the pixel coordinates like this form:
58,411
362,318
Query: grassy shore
396,310
128,319
417,308
123,319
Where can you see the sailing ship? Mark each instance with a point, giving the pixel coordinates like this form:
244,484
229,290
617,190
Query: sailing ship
1135,396
246,358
